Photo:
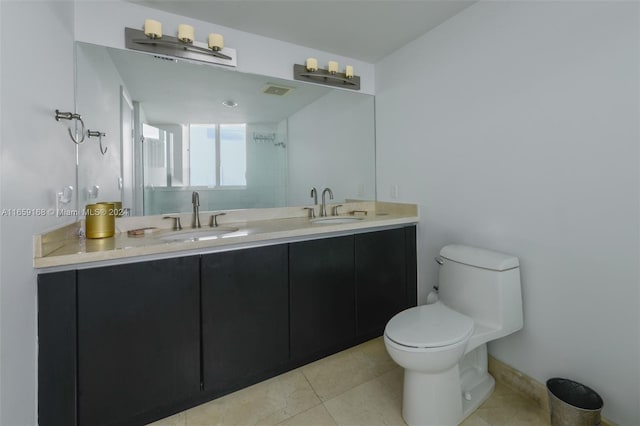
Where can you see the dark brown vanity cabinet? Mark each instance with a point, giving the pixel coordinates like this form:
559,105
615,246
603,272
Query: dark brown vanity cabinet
385,277
118,342
322,289
132,343
138,339
57,349
245,316
345,289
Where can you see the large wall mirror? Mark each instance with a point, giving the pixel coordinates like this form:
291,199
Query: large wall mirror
240,140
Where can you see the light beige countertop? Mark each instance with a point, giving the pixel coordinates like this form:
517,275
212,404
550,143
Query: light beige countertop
65,248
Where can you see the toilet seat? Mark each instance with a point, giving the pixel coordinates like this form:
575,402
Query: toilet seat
429,326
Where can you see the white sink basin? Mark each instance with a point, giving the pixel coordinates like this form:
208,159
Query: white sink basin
334,220
198,235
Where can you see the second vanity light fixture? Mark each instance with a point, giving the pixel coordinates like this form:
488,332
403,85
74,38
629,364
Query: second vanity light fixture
330,76
151,40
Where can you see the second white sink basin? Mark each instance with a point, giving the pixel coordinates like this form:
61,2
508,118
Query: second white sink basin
198,235
334,220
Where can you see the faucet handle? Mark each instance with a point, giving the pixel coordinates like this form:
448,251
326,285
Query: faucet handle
176,222
335,209
312,211
213,221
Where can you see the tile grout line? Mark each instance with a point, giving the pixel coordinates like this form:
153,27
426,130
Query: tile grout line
310,385
310,408
330,415
346,391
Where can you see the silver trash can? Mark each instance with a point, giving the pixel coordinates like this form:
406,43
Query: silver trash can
573,404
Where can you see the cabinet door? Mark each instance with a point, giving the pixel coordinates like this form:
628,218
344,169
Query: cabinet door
57,349
245,316
321,279
382,284
138,338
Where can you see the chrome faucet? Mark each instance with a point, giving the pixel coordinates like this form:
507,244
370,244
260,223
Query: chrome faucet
323,210
195,200
314,195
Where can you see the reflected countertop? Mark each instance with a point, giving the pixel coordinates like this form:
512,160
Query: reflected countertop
65,249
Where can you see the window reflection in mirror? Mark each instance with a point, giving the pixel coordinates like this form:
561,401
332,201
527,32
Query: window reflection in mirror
217,155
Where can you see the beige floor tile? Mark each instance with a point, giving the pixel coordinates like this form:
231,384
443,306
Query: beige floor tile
507,407
266,403
474,420
497,414
359,386
531,415
179,419
393,381
316,416
338,373
376,402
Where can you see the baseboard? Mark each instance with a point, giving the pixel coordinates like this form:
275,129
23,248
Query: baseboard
525,385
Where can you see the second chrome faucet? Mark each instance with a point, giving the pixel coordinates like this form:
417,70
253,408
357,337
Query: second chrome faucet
195,219
323,209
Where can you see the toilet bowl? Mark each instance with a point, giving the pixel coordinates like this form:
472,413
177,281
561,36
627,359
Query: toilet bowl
442,346
429,341
428,338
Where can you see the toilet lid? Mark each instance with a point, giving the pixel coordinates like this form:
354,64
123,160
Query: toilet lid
429,326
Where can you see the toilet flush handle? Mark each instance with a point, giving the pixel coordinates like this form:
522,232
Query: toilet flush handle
439,261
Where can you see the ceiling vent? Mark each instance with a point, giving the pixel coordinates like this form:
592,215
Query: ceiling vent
278,90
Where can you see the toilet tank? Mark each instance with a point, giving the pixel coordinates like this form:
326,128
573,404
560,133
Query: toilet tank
484,285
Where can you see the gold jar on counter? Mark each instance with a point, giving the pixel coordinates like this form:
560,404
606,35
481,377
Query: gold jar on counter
100,220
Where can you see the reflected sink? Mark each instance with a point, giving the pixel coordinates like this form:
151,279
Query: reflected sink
334,220
198,235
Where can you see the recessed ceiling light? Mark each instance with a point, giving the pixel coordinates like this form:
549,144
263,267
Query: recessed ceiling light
230,104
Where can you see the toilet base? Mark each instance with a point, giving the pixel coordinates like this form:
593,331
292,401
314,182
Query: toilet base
448,397
478,394
432,399
475,381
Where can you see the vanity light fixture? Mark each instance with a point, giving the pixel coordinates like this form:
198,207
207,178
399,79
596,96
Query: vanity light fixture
312,64
348,72
333,67
152,29
186,33
151,40
216,42
330,76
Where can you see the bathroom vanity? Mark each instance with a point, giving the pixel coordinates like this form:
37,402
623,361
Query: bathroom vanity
132,340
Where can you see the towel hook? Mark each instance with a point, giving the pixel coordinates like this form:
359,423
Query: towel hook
71,116
98,134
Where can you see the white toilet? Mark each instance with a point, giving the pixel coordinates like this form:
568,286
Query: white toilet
443,346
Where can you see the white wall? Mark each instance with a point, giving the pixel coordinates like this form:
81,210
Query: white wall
1,223
37,159
515,126
98,86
